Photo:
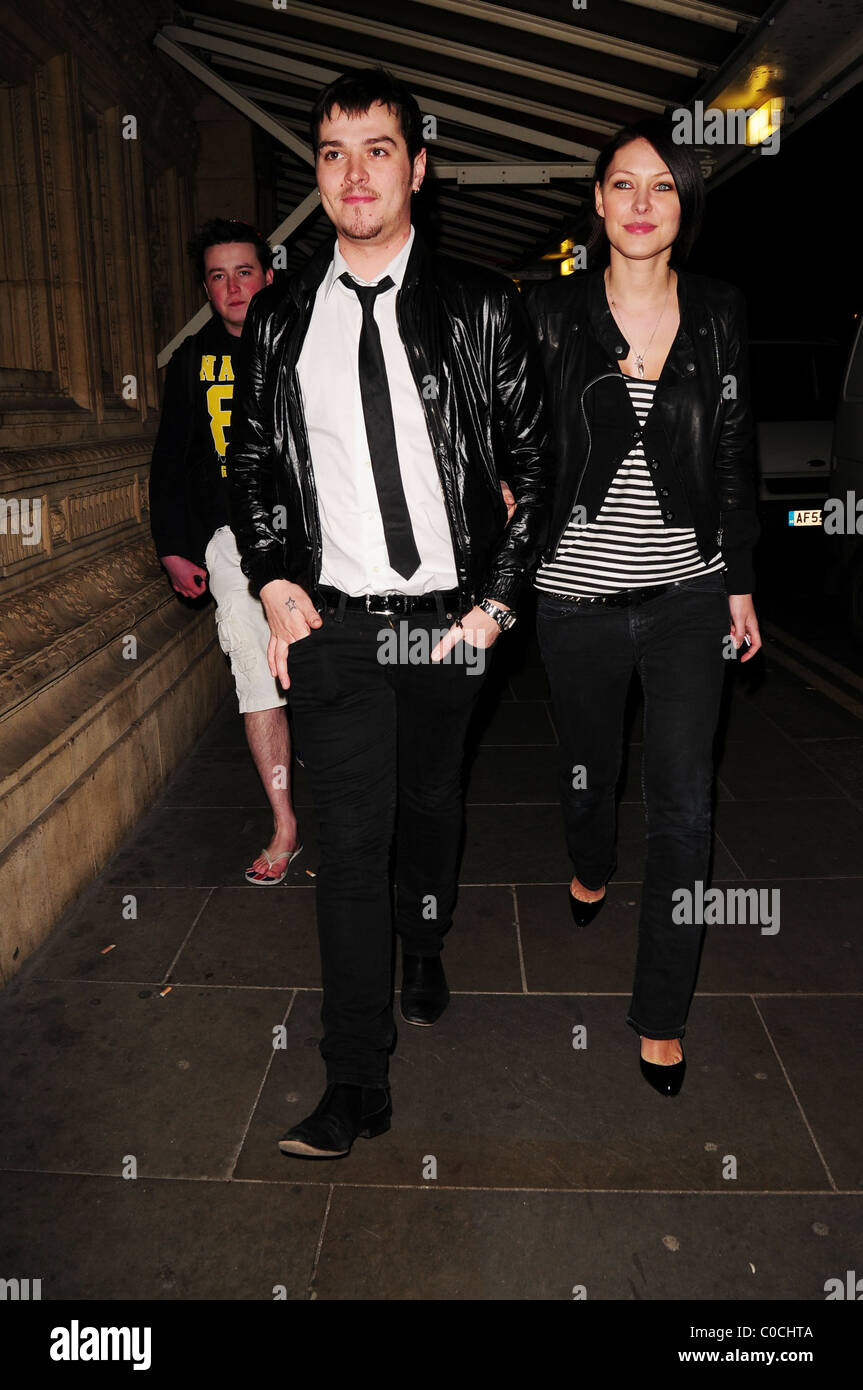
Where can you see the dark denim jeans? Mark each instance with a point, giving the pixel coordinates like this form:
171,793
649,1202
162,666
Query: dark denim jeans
674,642
383,745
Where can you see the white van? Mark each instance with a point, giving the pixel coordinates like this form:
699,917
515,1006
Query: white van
846,483
795,385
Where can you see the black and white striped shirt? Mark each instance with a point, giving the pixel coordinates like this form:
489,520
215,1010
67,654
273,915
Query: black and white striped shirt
628,546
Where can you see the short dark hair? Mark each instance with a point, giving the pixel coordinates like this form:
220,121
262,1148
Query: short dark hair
358,89
681,164
219,231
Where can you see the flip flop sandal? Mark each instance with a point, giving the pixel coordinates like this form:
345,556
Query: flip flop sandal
252,874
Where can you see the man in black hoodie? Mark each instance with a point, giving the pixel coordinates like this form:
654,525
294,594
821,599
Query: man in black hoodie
189,516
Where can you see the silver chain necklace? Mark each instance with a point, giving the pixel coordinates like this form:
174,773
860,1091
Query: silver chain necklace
639,356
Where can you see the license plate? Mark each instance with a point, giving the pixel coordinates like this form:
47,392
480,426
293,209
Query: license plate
811,517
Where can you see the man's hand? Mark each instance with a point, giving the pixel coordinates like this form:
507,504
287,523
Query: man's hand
744,623
509,501
291,616
186,577
476,627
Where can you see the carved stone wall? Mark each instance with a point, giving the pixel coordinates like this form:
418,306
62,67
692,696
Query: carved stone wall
105,677
226,147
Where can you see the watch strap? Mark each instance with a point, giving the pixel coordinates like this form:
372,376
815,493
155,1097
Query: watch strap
504,617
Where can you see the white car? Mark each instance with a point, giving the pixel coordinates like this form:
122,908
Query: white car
795,386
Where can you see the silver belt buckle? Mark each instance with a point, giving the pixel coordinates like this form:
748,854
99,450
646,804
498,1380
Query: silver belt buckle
379,612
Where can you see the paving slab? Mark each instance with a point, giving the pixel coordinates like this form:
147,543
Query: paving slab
204,845
268,941
227,778
791,838
438,1244
118,932
100,1238
737,958
525,844
93,1074
498,1094
840,759
819,1040
800,710
773,766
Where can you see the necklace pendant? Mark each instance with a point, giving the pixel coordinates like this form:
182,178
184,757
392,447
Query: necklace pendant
639,366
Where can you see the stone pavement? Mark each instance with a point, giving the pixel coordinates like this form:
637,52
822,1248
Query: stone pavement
518,1166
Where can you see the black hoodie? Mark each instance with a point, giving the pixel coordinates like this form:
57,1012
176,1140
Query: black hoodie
187,472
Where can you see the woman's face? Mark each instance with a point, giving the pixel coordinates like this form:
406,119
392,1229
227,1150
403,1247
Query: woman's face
639,202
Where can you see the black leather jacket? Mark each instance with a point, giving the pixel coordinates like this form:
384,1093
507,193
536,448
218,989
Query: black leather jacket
479,377
699,434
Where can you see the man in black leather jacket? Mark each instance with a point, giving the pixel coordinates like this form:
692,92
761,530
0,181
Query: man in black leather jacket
358,548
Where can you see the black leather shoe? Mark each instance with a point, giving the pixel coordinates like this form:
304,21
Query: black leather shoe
666,1080
344,1113
425,993
584,913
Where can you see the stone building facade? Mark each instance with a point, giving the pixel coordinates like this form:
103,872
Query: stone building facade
109,156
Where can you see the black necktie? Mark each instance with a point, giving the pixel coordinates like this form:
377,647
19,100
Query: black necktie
381,434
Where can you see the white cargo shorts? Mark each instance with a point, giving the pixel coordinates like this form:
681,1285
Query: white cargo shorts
244,633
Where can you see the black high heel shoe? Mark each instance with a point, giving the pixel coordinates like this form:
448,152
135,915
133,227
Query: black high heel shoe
666,1080
583,913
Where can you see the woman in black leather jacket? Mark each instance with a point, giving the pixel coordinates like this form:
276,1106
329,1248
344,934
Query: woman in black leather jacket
648,565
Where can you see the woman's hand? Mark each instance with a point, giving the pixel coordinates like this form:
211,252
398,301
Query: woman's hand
744,623
291,616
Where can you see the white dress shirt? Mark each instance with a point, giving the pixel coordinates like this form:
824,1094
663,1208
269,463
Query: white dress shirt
354,555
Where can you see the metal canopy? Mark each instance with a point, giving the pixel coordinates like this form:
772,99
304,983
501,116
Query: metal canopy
523,94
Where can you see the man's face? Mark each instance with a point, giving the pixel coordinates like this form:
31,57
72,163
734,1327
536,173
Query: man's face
232,274
365,177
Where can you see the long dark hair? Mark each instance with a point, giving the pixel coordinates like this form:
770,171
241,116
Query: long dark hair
680,163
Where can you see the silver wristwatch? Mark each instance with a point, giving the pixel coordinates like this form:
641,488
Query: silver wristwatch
504,617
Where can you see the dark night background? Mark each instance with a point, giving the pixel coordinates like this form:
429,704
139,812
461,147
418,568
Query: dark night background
786,230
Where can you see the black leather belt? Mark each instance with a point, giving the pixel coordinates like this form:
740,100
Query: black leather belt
388,605
618,600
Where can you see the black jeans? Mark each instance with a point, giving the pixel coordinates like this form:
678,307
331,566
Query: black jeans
382,732
675,642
